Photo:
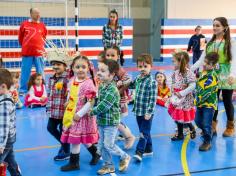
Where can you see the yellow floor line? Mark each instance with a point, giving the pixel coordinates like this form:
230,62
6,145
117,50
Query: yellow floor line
184,156
184,152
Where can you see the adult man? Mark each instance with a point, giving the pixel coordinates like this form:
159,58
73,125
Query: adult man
197,43
32,34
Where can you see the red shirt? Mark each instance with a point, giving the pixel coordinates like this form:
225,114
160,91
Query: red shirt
31,38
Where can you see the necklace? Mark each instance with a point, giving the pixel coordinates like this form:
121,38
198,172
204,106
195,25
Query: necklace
216,48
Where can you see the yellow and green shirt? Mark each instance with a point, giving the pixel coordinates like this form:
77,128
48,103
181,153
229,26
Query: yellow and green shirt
207,88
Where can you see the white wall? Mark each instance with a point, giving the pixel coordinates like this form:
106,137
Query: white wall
139,9
201,8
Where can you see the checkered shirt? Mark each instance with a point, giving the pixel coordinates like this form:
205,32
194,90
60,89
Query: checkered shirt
112,37
57,98
145,95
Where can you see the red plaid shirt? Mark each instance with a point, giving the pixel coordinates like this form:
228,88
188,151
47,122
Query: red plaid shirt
57,96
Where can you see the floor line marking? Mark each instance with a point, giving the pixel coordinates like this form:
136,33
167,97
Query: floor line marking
56,146
184,152
184,156
202,171
36,148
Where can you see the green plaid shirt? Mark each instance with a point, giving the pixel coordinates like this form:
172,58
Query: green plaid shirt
108,106
112,37
145,95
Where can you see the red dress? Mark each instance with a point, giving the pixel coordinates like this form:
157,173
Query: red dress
35,100
162,92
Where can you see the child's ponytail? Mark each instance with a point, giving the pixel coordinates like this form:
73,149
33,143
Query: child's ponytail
183,58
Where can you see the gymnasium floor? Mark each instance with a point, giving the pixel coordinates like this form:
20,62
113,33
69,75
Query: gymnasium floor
35,148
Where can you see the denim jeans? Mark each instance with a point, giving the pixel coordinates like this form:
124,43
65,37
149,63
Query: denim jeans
26,65
203,120
9,157
108,146
145,140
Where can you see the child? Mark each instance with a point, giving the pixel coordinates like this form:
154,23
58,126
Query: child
163,89
108,118
7,123
122,81
14,89
101,58
181,107
78,126
206,99
37,95
55,108
144,104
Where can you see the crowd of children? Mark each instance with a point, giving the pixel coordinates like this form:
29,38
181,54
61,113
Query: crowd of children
84,108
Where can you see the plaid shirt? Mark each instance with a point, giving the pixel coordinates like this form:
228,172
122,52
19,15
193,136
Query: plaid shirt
112,37
57,96
145,95
108,106
7,120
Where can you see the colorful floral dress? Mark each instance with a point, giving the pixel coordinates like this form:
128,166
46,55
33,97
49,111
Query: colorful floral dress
185,111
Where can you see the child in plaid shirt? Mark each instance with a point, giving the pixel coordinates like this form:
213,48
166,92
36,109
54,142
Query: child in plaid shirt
55,108
144,104
122,82
7,123
108,117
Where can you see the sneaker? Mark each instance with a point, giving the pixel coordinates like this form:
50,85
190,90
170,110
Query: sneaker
124,164
138,156
205,146
105,170
62,156
148,153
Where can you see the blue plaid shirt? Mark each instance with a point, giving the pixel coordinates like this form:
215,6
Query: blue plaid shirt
145,95
7,120
112,37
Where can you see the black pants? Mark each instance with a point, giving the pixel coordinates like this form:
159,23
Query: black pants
181,126
55,128
228,104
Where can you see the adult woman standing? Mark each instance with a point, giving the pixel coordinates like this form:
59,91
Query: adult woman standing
112,39
112,31
222,43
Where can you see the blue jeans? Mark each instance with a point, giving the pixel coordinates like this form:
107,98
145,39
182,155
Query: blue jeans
145,140
108,146
9,157
26,65
203,120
